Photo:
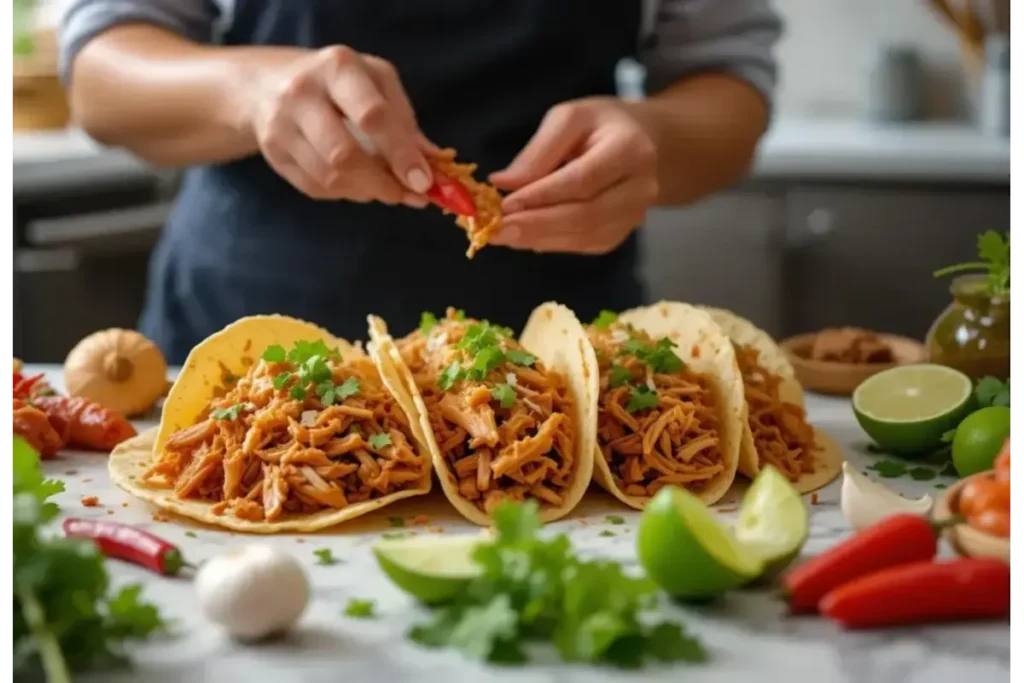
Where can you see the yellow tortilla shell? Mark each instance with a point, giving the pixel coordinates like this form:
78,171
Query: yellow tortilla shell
234,346
567,351
706,350
745,333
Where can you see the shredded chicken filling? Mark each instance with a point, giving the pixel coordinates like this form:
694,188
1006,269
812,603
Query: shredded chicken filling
486,198
782,436
675,441
522,451
279,455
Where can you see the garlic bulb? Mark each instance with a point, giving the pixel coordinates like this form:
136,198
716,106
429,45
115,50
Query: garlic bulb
865,502
253,591
119,369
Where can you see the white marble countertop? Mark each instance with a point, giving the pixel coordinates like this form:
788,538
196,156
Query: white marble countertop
748,633
849,150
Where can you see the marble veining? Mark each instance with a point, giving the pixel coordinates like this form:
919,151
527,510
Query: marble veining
748,632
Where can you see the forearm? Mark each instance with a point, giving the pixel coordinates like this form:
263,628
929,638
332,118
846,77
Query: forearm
705,129
169,100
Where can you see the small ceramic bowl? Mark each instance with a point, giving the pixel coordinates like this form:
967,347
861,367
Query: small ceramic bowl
840,379
964,538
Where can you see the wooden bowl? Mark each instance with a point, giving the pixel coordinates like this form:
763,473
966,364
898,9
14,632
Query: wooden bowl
964,538
840,379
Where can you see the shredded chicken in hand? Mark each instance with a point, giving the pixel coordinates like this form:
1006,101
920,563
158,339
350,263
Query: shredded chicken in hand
782,436
657,421
502,420
294,436
486,199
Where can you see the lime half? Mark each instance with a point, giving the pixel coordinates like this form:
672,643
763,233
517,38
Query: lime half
687,552
908,408
773,521
432,569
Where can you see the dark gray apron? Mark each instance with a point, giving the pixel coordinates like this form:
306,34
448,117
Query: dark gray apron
480,74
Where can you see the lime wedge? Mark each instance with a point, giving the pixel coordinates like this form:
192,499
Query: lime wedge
431,569
908,408
773,521
687,552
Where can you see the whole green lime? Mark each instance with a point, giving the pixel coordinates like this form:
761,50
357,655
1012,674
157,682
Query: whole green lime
979,438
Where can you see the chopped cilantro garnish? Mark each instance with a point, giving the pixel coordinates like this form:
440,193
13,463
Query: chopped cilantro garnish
532,588
615,519
275,353
227,413
282,379
360,609
325,556
347,389
606,533
487,359
298,393
191,534
922,474
517,357
450,375
379,441
604,319
428,321
660,357
504,394
641,398
618,375
396,522
302,351
889,469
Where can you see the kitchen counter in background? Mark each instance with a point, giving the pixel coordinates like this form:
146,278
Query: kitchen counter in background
748,632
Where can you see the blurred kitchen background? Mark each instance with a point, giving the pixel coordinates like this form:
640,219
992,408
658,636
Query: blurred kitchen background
888,154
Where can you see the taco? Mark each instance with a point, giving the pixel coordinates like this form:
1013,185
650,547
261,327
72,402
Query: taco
502,422
670,404
275,425
777,431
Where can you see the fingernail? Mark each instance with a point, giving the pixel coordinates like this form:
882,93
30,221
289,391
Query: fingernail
418,181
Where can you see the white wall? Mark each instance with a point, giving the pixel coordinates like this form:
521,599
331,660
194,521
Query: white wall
828,44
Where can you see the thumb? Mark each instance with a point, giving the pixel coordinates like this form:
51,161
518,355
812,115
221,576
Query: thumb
564,127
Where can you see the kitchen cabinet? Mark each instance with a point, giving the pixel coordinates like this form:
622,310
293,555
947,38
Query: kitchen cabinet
725,251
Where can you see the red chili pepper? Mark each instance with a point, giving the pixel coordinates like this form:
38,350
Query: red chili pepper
125,542
900,539
23,385
922,593
452,195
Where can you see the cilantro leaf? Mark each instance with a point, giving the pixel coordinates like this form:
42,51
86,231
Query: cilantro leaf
990,391
604,319
659,357
360,609
449,376
618,375
298,393
274,353
347,389
282,379
428,321
615,519
922,473
303,351
518,357
994,255
889,469
606,533
325,557
641,398
487,359
378,441
227,413
504,394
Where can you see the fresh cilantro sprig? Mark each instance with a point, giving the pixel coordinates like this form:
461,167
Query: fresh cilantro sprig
531,589
230,413
991,391
325,557
605,319
360,609
378,441
66,618
994,261
504,394
311,368
658,356
481,342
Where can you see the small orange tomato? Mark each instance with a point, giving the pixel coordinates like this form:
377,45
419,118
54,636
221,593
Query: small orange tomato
976,496
995,522
1000,497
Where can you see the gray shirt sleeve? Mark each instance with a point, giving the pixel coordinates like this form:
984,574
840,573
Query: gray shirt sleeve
684,37
83,20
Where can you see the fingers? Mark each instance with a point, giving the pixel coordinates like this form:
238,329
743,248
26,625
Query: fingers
357,95
579,180
563,129
593,227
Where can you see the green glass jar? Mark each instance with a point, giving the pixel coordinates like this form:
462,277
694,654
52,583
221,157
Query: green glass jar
973,333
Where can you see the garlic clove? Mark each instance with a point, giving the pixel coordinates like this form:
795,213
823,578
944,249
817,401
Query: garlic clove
865,502
253,591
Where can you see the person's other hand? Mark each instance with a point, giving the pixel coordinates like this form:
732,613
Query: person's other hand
582,183
299,125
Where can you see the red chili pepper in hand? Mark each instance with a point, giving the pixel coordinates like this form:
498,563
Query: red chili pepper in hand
923,593
900,539
125,542
452,195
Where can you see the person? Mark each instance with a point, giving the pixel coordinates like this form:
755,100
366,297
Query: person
282,210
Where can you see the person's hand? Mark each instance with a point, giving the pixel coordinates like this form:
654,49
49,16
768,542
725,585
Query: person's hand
299,125
582,183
